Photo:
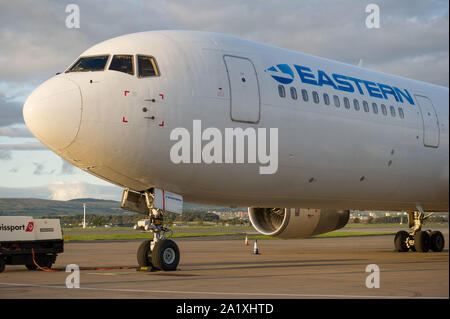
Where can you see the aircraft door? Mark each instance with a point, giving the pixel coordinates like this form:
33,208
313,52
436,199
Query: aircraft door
430,121
244,89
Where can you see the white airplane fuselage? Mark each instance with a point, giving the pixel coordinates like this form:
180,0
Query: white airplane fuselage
328,157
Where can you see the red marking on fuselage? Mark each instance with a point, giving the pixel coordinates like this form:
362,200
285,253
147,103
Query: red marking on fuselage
161,124
126,92
162,96
123,120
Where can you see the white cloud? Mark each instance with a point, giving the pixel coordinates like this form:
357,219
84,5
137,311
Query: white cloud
12,131
39,169
70,190
67,168
28,146
64,191
5,155
10,111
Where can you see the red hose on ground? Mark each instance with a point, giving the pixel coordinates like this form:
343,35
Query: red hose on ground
41,268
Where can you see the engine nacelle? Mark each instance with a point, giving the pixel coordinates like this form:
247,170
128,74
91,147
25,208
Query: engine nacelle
296,222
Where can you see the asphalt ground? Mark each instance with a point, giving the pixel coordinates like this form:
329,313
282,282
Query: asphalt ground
223,267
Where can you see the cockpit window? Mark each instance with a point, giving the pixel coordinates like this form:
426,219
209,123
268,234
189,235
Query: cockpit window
147,66
122,63
92,63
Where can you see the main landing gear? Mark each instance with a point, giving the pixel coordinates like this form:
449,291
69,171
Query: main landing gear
417,239
158,253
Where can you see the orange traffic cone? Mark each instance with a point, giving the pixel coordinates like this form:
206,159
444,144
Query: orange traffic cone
255,248
246,240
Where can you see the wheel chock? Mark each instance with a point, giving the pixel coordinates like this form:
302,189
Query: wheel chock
146,269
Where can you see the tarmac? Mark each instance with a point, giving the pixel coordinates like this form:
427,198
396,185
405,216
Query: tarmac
224,268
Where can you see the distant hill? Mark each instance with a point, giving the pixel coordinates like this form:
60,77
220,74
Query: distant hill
44,207
91,200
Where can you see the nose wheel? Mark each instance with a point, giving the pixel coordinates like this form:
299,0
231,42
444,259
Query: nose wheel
165,255
159,253
418,240
144,254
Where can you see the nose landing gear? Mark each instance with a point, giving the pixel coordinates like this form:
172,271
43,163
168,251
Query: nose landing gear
158,253
418,240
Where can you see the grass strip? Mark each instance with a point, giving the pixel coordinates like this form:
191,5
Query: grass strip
404,225
96,229
328,235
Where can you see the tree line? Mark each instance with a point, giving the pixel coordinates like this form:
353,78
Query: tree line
128,219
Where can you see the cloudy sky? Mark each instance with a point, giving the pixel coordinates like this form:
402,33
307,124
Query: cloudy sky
412,41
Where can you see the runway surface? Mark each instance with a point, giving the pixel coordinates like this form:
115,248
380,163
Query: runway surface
226,268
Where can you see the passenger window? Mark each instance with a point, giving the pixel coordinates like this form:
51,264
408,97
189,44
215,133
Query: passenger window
281,91
293,93
383,109
326,99
346,103
92,63
122,63
356,104
400,113
147,66
375,108
315,97
305,95
392,111
337,102
366,106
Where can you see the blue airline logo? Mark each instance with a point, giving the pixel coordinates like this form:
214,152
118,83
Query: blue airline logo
284,74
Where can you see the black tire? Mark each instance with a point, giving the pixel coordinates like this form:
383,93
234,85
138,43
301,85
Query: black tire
31,266
166,255
437,241
144,254
400,241
45,261
422,241
2,265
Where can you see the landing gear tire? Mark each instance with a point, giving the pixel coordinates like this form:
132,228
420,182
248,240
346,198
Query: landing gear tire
400,241
144,254
422,241
166,255
437,241
2,265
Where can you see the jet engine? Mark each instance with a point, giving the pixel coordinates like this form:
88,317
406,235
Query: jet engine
296,222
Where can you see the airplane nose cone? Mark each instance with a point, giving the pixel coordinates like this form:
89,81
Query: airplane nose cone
53,112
